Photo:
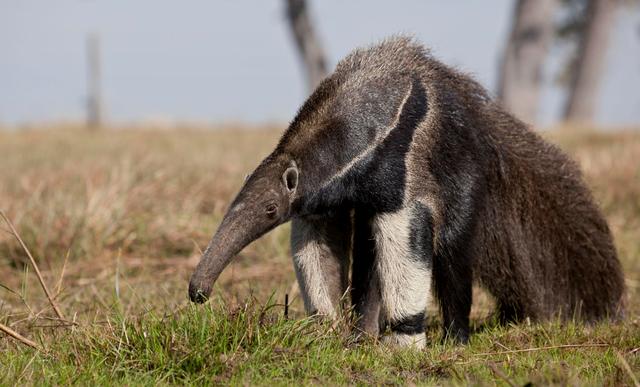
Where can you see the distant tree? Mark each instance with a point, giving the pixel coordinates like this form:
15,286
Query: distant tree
520,77
307,43
590,24
94,89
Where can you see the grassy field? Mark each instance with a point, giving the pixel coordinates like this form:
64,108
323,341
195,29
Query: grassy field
116,221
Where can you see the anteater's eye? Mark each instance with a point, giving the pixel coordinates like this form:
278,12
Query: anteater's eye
272,210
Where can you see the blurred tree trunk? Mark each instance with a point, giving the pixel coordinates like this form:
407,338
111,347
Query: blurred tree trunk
307,42
520,75
590,61
94,89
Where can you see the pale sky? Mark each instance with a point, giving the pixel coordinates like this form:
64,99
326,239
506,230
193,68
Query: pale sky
213,61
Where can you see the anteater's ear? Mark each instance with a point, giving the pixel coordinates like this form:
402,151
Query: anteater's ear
290,178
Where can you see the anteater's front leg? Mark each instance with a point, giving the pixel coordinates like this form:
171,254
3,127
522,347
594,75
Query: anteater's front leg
403,260
321,249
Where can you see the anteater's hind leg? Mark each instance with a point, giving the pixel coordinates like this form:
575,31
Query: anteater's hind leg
403,254
365,290
321,249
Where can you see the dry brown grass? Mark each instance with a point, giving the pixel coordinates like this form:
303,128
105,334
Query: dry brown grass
151,198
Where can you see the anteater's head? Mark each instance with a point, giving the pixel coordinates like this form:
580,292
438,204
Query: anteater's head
263,203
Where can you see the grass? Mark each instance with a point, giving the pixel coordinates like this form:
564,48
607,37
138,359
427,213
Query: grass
117,219
246,345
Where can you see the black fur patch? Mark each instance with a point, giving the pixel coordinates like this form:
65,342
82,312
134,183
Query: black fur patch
365,293
411,325
421,233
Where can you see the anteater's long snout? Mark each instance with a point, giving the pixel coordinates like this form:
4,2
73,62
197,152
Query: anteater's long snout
225,244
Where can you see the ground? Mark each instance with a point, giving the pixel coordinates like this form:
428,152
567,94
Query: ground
116,220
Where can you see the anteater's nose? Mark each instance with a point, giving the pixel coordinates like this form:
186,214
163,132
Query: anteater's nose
197,294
